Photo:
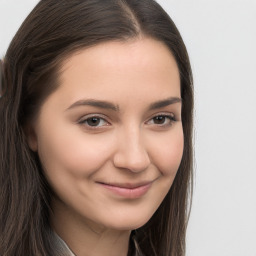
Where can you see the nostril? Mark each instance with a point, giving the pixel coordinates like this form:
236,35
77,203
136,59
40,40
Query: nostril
131,152
133,162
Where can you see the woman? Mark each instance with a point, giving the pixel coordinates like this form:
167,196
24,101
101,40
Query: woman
96,132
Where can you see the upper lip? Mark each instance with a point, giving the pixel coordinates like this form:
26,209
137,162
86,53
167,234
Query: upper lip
127,184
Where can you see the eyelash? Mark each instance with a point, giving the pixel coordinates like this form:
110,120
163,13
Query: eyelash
171,118
84,121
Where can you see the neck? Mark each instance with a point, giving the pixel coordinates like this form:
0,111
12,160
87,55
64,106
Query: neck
86,238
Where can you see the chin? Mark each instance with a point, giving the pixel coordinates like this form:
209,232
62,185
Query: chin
128,222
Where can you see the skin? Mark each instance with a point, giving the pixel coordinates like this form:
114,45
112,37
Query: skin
125,146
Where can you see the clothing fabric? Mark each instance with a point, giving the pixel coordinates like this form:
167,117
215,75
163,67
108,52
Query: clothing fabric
61,247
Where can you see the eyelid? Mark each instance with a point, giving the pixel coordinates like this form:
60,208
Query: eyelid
167,114
171,116
86,117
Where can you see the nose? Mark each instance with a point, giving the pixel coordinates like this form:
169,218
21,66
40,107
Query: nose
131,153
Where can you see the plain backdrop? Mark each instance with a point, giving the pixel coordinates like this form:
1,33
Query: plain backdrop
220,36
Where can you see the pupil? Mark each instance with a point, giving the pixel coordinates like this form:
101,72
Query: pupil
159,119
94,121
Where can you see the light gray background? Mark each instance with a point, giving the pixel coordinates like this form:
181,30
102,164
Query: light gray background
221,39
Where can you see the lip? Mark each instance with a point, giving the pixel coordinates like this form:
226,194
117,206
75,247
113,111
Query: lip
127,190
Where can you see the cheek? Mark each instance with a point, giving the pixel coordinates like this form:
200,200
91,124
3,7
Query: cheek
74,153
168,152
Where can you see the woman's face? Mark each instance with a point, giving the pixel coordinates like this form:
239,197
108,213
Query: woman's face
110,138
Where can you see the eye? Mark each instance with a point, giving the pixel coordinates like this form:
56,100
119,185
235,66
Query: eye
162,120
94,121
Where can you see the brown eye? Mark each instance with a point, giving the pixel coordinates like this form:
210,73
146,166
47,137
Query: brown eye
159,119
94,121
162,120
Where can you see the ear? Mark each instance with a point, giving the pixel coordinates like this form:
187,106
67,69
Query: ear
31,137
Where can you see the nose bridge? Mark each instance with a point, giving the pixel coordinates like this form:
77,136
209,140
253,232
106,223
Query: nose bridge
131,150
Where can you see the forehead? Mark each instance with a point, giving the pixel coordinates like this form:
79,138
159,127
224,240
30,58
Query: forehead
123,54
141,67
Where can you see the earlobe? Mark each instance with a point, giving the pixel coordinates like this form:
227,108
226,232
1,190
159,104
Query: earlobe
31,138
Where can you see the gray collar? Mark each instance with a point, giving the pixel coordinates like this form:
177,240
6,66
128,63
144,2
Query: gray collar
61,247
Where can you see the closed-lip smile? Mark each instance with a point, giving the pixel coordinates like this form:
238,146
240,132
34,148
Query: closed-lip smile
127,190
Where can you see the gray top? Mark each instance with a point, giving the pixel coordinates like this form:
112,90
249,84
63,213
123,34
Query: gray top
62,248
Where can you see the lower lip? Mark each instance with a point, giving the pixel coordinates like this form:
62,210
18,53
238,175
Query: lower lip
130,193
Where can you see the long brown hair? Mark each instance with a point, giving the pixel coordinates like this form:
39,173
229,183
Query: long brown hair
52,31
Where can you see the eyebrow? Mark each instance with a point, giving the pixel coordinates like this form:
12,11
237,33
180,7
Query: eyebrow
95,103
164,103
111,106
